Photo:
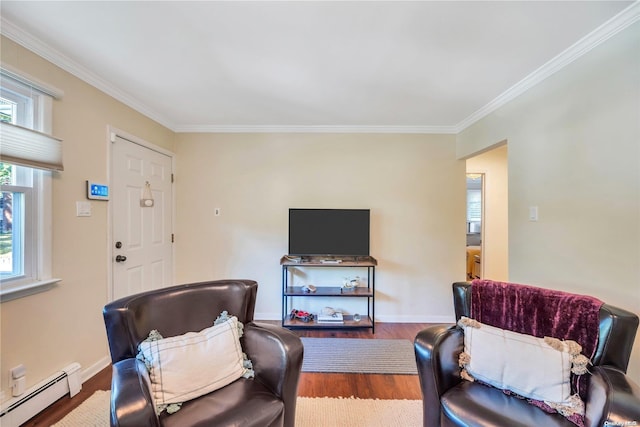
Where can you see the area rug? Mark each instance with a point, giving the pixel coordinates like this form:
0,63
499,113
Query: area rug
310,412
93,412
350,412
359,355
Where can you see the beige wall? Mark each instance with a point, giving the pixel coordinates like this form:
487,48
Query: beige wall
495,238
413,185
47,331
574,151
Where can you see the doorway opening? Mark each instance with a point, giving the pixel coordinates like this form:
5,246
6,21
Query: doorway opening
475,216
488,214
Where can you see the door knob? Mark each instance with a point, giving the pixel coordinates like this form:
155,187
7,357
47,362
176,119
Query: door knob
121,258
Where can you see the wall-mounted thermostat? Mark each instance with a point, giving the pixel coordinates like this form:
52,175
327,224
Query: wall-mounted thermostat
97,191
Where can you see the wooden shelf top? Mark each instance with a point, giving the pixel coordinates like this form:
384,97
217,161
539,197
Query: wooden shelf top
328,261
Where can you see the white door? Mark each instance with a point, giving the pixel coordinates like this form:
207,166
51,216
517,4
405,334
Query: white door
142,235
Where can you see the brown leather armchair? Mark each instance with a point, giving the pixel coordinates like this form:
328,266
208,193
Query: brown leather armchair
613,399
269,399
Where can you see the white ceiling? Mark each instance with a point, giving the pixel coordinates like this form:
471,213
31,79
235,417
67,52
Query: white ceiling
421,66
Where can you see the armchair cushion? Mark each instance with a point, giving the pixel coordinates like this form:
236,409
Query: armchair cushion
531,367
474,404
187,366
243,403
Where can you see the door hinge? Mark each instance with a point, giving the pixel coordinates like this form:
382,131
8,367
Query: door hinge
172,178
172,238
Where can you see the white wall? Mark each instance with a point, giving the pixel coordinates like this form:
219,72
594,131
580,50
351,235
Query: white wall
413,185
574,151
495,237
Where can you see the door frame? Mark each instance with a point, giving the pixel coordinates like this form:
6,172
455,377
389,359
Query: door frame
112,133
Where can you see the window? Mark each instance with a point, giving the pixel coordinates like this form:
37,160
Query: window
16,237
474,205
25,204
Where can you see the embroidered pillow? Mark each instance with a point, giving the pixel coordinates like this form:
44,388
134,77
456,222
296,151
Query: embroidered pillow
531,367
187,366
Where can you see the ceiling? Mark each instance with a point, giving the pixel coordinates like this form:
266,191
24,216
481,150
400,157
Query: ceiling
380,66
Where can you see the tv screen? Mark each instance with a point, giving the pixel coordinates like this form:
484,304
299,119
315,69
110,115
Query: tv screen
329,232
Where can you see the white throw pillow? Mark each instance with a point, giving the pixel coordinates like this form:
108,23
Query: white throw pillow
188,366
535,368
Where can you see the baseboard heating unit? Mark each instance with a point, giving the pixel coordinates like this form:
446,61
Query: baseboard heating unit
24,407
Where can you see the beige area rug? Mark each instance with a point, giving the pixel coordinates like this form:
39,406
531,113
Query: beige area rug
350,412
310,412
93,412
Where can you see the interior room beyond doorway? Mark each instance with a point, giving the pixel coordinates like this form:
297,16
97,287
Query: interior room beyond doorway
487,215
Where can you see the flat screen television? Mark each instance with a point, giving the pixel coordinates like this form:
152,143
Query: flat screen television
334,232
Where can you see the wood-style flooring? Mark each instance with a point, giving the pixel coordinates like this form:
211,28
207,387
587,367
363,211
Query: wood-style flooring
364,386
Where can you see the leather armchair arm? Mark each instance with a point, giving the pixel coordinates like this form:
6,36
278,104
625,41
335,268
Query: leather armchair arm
437,348
276,354
131,401
614,400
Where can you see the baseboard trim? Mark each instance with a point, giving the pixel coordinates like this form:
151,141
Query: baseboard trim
92,370
415,319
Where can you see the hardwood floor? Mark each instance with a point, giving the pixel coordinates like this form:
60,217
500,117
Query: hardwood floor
364,386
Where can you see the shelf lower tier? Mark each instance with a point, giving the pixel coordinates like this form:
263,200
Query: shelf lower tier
328,291
348,323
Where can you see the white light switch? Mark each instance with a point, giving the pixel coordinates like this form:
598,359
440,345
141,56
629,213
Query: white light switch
83,208
533,213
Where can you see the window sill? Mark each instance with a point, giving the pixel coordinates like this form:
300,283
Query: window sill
9,293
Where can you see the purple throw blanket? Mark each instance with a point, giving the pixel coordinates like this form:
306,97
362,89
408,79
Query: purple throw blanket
539,312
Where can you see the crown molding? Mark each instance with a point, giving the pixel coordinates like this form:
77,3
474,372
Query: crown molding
610,28
315,129
613,26
37,46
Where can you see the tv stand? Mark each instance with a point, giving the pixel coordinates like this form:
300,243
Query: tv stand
329,259
291,291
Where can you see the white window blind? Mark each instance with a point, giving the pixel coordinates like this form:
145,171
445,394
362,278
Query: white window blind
474,205
27,147
19,143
